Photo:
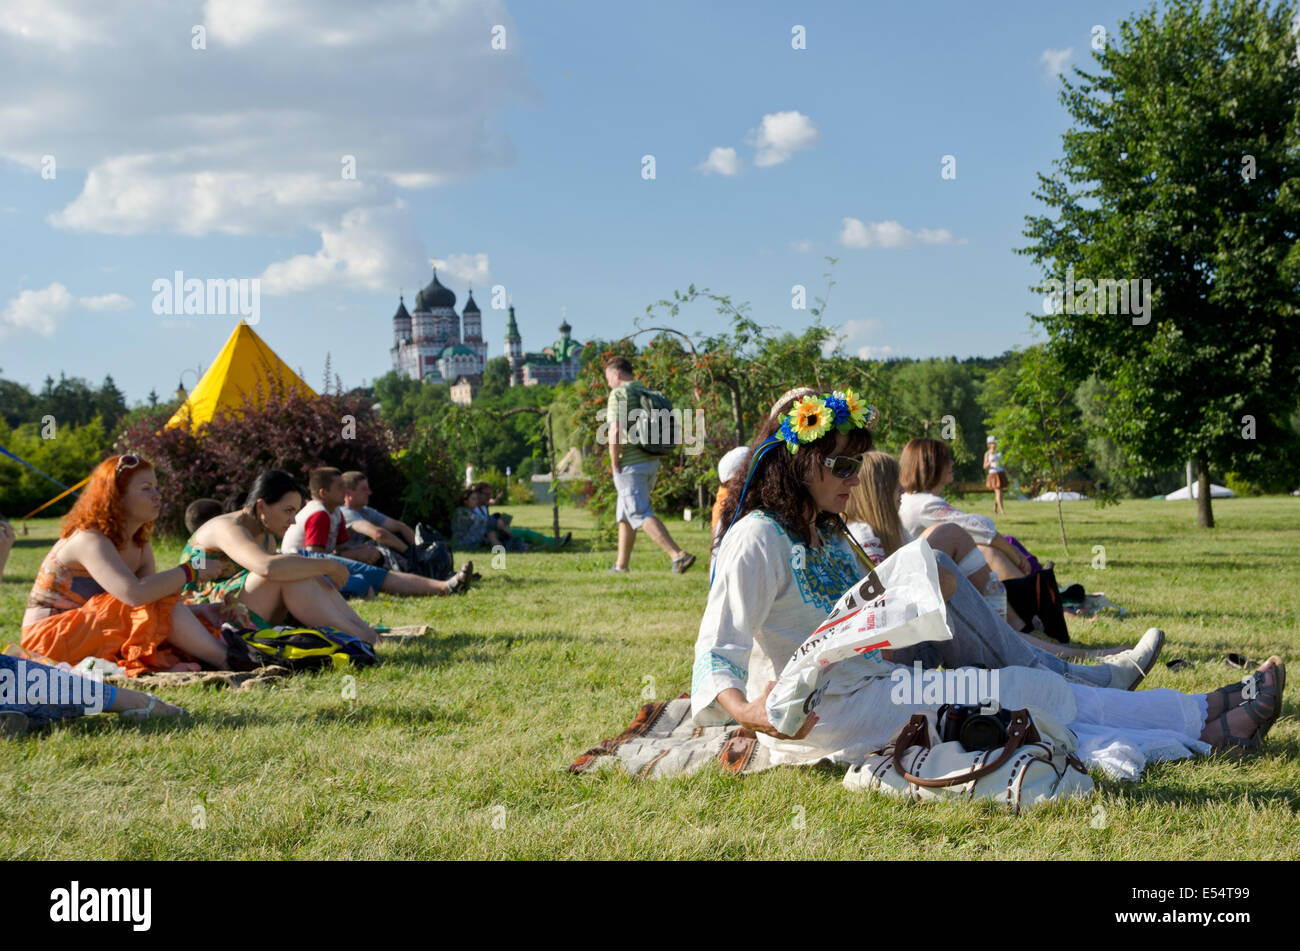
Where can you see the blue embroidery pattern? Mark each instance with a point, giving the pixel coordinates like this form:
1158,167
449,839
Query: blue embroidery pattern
710,661
827,571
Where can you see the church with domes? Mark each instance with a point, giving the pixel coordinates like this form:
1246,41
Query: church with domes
434,344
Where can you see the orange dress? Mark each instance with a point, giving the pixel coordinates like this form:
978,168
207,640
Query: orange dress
70,617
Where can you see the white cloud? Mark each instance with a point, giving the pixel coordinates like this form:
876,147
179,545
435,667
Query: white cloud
36,311
803,246
369,249
469,268
39,312
855,233
876,353
249,136
105,302
721,161
780,135
1054,60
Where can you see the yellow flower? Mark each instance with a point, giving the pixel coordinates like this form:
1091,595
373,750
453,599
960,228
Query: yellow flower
856,407
810,418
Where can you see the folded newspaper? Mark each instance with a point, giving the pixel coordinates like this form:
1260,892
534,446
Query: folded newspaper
896,605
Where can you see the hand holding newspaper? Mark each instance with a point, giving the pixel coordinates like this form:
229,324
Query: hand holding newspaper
896,605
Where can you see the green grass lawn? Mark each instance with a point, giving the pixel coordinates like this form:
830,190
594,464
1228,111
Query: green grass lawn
456,745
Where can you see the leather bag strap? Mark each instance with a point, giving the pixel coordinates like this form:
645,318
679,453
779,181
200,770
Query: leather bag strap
1020,731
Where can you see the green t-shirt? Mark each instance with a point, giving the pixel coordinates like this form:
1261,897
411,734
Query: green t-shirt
629,394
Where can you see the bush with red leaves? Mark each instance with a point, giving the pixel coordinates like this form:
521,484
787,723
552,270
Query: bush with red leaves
284,429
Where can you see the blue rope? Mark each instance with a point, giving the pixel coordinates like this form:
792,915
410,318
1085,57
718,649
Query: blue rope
759,451
32,467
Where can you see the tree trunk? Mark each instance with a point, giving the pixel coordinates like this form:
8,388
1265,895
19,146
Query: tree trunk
1204,513
737,415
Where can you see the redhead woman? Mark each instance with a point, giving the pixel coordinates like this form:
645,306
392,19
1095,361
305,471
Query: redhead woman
240,550
98,593
785,559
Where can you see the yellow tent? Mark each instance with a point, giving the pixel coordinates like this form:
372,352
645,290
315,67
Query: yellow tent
243,363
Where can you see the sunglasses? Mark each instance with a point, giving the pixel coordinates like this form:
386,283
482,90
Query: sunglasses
843,467
127,462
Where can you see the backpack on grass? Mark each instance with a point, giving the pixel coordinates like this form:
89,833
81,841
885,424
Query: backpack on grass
298,648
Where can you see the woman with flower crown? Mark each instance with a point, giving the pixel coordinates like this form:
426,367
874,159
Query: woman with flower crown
785,559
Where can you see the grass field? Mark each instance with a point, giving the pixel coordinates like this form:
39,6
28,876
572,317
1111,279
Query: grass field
456,746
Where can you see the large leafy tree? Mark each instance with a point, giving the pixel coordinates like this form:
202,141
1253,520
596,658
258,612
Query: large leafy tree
1183,167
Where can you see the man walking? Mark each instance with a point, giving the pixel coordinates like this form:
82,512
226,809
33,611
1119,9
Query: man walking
635,471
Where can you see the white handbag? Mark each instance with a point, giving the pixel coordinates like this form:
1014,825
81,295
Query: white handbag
1036,765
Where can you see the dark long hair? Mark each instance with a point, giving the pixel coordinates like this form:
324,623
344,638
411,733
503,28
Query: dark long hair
270,487
779,484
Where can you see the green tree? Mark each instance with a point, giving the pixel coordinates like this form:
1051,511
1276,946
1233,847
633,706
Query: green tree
1183,168
939,399
1038,426
496,377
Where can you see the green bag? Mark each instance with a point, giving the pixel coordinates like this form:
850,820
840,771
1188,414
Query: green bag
657,429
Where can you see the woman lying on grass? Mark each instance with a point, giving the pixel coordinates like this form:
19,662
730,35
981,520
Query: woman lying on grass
874,523
97,593
784,561
239,550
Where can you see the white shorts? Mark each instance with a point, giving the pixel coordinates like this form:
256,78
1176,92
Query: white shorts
634,484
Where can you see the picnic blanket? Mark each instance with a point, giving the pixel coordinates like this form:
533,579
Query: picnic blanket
663,740
234,679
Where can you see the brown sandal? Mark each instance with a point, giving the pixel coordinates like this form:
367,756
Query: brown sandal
1264,709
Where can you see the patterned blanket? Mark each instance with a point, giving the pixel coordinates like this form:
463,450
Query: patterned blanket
236,680
663,740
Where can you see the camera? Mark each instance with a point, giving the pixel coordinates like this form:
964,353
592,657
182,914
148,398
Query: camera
975,727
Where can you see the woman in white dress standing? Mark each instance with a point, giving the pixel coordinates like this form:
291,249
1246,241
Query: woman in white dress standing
785,559
997,480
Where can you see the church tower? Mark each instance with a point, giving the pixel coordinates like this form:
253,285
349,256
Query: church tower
514,350
473,323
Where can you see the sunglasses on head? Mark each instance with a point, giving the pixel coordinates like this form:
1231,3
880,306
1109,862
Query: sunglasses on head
127,462
843,467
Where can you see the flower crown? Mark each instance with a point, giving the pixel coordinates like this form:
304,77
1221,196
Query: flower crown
812,417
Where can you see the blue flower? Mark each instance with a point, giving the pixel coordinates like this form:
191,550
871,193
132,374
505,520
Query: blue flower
839,406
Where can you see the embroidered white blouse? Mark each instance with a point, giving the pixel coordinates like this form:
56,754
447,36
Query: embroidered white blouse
920,510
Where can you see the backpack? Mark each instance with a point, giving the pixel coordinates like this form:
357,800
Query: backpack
305,648
431,555
656,430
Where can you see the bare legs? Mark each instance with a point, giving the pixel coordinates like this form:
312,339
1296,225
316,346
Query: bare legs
957,544
312,601
658,533
399,582
193,638
1000,563
997,502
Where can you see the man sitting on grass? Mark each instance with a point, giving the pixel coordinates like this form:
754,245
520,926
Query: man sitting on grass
318,532
360,519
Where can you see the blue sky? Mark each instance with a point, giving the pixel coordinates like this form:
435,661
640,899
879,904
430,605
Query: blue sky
519,167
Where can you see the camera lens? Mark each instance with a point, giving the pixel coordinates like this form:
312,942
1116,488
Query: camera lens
983,732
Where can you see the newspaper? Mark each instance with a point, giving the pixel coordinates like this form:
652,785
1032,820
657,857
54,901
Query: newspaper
896,605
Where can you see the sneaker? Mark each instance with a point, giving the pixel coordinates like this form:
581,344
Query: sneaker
1130,668
616,570
12,723
681,564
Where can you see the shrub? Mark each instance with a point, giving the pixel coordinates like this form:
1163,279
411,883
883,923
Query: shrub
282,428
